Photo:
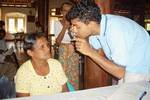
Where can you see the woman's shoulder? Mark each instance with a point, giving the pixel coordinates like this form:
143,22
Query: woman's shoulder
53,61
25,66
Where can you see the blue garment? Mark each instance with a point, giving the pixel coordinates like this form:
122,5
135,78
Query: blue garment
7,88
124,42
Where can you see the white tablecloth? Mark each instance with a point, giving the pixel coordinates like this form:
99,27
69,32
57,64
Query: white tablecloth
130,91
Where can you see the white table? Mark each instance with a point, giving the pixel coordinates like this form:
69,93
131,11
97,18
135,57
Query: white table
130,91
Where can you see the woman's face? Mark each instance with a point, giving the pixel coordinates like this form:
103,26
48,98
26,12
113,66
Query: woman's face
65,9
41,49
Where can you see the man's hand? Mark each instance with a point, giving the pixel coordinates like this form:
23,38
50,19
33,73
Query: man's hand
83,46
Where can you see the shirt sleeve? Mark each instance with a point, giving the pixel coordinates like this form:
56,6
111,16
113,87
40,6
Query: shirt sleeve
94,42
22,80
117,41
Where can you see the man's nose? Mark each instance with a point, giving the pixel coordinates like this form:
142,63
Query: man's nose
73,29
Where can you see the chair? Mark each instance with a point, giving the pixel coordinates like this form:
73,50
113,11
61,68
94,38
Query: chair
70,87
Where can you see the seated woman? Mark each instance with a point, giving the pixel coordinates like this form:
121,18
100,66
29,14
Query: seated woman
41,75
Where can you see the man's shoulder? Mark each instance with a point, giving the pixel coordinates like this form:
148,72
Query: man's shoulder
26,65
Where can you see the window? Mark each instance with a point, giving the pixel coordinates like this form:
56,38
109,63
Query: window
16,24
20,25
11,25
147,24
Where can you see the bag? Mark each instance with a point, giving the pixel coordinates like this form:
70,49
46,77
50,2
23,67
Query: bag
70,87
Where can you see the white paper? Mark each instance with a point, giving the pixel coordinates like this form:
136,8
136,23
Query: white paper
131,92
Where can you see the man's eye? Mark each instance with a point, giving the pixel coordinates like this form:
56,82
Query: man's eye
48,44
42,46
78,27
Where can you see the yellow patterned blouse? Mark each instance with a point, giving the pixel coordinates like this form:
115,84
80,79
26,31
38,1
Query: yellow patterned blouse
27,81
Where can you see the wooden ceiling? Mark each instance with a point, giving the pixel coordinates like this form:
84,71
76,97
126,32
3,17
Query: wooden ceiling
17,3
127,4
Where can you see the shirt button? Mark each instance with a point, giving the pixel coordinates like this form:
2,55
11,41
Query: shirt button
44,77
48,86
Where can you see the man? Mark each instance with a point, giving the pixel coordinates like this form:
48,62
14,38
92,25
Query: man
124,42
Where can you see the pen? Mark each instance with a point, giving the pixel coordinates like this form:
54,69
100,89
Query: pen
142,95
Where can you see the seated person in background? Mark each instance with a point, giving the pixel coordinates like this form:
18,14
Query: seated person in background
41,75
2,24
7,68
38,27
7,88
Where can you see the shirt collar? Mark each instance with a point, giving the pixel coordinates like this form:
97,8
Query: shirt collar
103,26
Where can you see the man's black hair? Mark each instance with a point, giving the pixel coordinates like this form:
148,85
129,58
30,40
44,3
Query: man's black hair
85,11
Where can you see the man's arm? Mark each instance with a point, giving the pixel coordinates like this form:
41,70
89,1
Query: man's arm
112,68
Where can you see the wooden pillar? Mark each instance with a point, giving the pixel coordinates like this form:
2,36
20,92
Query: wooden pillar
42,16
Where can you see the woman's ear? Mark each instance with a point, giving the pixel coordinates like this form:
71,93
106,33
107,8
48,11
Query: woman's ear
29,52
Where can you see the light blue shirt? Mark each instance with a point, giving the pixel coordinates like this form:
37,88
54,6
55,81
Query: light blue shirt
124,42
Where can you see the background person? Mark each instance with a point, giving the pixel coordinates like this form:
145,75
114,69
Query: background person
38,27
67,55
7,66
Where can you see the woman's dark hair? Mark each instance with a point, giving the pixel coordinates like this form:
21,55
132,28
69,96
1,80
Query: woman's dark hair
30,40
85,11
65,3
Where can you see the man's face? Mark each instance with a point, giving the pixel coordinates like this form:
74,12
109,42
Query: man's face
80,29
65,9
